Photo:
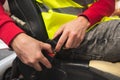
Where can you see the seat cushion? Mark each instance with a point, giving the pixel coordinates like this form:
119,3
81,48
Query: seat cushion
106,67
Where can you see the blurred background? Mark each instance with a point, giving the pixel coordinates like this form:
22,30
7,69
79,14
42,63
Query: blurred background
116,12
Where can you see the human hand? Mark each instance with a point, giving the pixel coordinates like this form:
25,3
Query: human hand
29,51
72,33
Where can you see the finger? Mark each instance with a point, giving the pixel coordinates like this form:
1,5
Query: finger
32,64
80,39
70,42
77,41
37,66
61,41
47,47
58,32
45,61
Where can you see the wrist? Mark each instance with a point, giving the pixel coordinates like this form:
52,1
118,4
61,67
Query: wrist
18,38
84,20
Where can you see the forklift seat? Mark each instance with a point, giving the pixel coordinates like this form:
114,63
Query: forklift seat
104,68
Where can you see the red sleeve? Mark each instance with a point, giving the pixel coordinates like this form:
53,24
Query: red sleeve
99,9
8,30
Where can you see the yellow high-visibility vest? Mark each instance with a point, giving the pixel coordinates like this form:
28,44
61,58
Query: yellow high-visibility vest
57,12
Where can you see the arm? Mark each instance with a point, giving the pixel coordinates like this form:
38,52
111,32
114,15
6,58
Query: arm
8,30
99,9
74,31
28,49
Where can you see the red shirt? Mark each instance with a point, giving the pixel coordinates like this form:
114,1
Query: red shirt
8,30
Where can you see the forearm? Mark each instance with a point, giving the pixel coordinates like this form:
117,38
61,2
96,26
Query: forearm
99,9
8,30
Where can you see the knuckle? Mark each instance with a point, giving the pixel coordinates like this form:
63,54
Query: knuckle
67,47
49,47
67,31
26,62
30,62
74,34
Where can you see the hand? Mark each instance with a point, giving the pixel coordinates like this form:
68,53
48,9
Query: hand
72,33
29,51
